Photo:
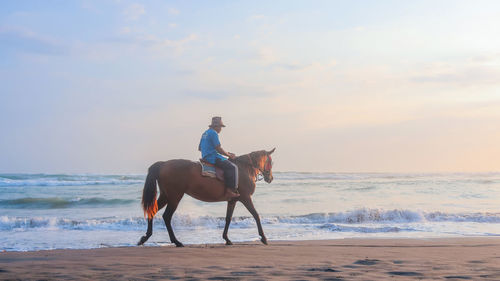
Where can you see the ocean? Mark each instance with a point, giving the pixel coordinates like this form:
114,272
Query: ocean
78,211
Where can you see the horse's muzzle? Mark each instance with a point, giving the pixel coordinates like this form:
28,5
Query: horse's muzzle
268,179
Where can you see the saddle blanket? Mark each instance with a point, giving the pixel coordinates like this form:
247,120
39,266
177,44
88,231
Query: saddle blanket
209,170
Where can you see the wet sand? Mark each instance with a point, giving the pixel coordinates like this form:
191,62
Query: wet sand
344,259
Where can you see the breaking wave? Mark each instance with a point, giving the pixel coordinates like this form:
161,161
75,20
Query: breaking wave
60,203
363,221
68,180
389,216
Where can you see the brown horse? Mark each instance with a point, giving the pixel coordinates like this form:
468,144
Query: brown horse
178,177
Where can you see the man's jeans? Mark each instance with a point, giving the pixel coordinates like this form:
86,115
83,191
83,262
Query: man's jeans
230,173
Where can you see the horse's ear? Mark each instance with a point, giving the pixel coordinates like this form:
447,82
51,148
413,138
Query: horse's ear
272,150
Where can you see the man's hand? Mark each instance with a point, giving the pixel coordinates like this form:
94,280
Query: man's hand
223,152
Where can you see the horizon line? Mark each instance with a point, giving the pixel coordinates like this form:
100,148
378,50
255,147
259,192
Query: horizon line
298,172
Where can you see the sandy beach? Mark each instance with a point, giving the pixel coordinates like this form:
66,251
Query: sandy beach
344,259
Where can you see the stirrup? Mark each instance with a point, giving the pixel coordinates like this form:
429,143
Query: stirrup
233,195
235,190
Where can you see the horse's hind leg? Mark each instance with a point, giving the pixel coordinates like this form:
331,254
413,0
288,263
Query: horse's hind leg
149,232
229,215
167,217
162,200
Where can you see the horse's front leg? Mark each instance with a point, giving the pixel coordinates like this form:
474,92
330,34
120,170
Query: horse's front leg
249,205
229,215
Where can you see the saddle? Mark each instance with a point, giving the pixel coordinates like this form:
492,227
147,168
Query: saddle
209,170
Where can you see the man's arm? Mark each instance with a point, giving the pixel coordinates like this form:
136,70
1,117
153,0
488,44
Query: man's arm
223,152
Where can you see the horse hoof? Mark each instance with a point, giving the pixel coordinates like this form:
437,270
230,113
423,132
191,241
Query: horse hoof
142,241
179,244
229,243
264,241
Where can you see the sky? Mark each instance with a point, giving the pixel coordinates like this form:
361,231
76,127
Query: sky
336,86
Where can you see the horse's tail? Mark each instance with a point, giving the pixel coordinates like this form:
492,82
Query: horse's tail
149,203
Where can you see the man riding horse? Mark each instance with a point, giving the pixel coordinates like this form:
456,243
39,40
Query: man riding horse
213,153
176,177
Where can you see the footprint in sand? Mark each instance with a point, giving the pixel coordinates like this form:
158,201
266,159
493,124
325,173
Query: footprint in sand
404,273
325,269
367,262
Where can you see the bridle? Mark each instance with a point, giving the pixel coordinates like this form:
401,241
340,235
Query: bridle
268,165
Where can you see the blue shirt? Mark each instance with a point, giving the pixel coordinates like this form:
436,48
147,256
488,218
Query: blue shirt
209,141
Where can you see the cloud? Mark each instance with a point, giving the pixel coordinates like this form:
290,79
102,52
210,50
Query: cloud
290,66
125,30
479,110
475,71
209,95
467,76
134,11
256,17
128,42
486,58
265,55
155,42
177,45
173,11
90,6
16,39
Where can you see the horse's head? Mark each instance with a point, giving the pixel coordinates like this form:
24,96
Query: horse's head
261,162
267,172
266,165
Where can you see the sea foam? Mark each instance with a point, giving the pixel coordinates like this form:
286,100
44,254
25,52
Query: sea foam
326,220
67,180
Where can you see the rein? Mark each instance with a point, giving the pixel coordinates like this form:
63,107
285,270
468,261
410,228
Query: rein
258,172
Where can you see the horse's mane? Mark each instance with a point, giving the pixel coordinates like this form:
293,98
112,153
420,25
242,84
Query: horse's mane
251,158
